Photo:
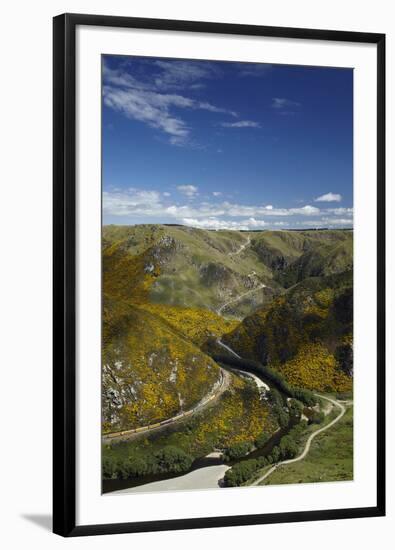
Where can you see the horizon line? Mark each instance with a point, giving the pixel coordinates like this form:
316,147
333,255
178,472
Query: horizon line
231,229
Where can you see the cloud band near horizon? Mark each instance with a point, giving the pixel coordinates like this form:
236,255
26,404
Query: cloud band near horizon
143,206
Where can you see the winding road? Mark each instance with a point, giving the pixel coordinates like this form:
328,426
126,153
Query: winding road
308,442
210,477
238,298
242,247
233,300
260,383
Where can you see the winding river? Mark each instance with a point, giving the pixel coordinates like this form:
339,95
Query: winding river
206,472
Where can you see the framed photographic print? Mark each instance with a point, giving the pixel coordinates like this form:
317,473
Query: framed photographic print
218,275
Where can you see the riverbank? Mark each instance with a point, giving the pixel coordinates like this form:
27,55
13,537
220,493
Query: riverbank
203,478
239,415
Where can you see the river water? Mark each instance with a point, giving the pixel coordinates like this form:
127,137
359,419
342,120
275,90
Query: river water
211,469
208,467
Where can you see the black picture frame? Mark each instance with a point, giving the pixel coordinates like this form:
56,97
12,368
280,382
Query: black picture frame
64,273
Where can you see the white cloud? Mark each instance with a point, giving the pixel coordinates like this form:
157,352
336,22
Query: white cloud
208,107
326,222
340,211
132,201
176,73
243,210
166,194
215,223
139,203
254,69
197,86
252,222
283,103
329,197
150,108
186,210
212,223
311,223
241,124
148,101
306,210
217,193
338,221
123,79
188,190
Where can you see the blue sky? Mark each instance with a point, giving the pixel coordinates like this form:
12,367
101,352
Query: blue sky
226,145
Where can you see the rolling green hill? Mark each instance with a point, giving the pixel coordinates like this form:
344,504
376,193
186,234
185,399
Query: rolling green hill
231,272
295,256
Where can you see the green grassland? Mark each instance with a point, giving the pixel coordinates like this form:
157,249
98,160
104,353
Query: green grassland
330,457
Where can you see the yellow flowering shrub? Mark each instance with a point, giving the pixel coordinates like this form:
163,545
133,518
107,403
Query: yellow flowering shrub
195,323
315,368
237,419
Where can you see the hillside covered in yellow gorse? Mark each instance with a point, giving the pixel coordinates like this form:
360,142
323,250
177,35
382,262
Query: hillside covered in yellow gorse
153,365
306,334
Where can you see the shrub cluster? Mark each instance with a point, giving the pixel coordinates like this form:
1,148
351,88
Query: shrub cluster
261,440
301,394
237,451
243,471
279,407
317,417
285,410
167,460
344,357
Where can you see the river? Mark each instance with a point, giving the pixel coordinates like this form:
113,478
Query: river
206,472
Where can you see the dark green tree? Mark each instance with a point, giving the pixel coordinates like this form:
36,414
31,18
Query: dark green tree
109,467
172,459
261,440
237,451
275,454
344,357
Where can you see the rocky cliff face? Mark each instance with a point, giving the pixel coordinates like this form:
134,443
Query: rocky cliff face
153,367
151,373
273,258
